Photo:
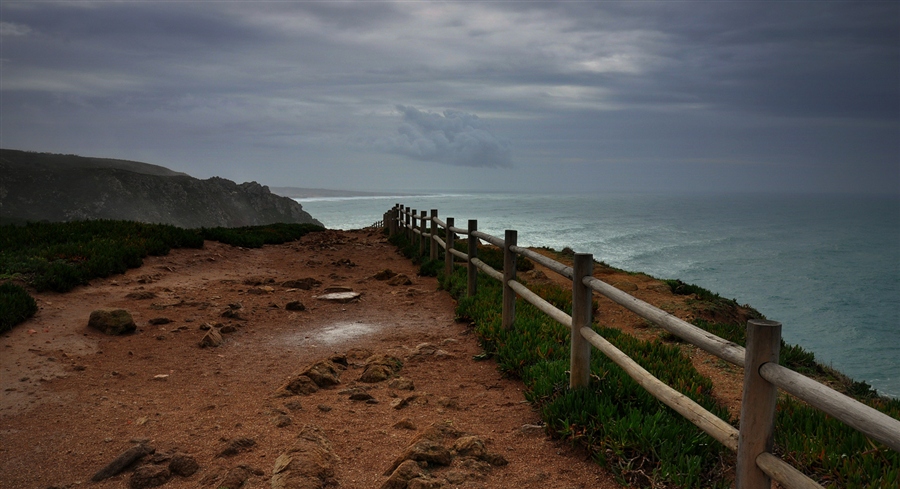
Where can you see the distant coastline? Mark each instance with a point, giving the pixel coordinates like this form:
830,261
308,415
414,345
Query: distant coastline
319,193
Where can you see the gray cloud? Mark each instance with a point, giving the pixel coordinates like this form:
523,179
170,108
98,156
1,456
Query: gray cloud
453,138
301,89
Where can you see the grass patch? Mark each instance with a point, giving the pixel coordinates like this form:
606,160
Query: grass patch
625,428
61,256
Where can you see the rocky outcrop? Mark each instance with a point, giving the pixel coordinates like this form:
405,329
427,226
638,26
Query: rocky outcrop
48,187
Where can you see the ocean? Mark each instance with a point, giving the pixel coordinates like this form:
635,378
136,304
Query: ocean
826,266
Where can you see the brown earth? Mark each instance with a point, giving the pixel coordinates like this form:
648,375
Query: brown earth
73,399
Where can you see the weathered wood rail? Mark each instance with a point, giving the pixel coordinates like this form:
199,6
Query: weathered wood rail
763,376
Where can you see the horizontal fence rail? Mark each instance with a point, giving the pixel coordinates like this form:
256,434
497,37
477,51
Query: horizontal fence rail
756,465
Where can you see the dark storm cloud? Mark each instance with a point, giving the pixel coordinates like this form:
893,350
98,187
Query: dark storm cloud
801,86
453,138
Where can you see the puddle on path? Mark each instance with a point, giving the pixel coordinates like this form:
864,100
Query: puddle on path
331,334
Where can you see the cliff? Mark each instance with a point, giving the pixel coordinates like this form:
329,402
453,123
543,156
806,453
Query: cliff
51,187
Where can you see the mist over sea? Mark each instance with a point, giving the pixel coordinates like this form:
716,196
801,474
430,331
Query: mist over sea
826,266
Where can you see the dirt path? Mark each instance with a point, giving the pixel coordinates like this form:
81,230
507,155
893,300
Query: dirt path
73,399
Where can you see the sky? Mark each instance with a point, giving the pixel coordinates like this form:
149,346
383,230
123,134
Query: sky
555,97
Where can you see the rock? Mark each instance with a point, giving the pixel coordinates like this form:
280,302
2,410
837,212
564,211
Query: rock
470,446
402,402
282,420
236,446
112,321
300,385
385,274
309,463
448,403
324,408
265,289
425,482
404,424
233,314
303,284
532,430
495,459
359,394
149,476
324,373
428,451
235,477
293,406
123,461
376,373
159,321
399,279
228,329
295,306
401,476
183,465
211,339
340,297
401,384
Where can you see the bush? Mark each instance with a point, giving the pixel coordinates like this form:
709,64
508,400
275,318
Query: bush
16,305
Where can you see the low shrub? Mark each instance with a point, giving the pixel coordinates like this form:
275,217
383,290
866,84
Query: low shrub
16,305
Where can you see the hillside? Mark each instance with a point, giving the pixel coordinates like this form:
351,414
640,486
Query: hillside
52,187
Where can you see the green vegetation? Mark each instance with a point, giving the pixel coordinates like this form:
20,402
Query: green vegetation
257,236
62,256
644,442
625,428
15,305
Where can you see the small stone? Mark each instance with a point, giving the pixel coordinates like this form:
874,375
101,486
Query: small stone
324,408
236,446
282,420
149,476
227,329
295,306
385,274
401,384
235,477
159,321
293,405
303,284
183,465
212,339
405,424
399,279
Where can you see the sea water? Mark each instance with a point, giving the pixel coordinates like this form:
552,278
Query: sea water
826,266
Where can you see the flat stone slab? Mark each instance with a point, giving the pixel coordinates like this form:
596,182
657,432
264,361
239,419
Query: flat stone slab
341,297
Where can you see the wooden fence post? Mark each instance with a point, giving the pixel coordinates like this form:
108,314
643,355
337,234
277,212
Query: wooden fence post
509,273
758,404
410,224
472,275
448,255
582,305
422,225
432,253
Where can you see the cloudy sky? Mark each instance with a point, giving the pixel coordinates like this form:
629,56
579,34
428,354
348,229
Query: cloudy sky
576,96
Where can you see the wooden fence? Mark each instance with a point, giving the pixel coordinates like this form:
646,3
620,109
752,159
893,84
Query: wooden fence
763,376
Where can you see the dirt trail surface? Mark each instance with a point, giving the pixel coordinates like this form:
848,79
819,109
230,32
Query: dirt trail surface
75,399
